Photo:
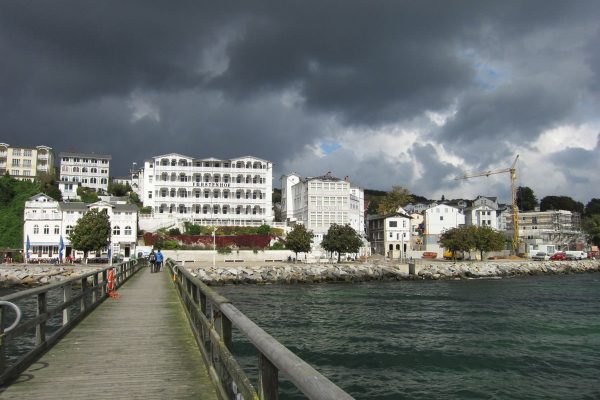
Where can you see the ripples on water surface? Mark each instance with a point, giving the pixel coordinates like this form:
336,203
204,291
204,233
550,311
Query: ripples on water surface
520,338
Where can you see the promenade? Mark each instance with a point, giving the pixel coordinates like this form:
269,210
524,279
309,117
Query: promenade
138,346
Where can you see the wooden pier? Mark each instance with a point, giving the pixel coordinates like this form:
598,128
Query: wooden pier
139,346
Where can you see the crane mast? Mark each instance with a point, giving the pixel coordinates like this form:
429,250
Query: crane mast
512,170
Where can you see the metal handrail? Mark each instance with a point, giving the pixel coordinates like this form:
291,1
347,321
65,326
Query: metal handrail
17,313
94,290
213,325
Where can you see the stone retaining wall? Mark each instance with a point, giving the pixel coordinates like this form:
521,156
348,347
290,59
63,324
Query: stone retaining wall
302,273
33,275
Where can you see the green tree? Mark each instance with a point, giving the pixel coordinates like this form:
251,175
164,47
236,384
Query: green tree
591,226
458,239
561,203
48,185
486,239
135,199
7,191
13,195
526,200
592,207
341,238
118,189
91,232
398,197
299,239
263,229
87,195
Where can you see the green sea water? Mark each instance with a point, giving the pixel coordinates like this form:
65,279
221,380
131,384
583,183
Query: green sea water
519,338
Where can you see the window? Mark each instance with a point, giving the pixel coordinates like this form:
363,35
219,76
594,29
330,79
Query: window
393,224
56,230
69,229
150,194
36,229
441,217
15,162
27,163
127,230
46,230
16,152
116,230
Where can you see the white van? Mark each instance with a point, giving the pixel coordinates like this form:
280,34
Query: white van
576,255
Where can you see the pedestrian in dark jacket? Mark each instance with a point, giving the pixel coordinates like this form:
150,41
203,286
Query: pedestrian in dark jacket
152,260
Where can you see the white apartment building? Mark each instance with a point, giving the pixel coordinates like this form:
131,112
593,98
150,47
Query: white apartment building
322,201
46,221
438,219
25,163
87,170
210,191
482,212
390,234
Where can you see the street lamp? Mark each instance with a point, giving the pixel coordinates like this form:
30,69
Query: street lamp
214,234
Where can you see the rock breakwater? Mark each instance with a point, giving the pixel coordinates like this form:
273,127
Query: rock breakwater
307,273
33,275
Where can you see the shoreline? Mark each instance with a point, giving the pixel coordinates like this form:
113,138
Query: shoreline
354,273
31,275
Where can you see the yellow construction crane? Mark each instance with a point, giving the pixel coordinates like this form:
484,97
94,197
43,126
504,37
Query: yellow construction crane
515,210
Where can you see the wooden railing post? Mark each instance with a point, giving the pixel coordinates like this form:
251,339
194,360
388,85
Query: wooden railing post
2,341
95,291
40,328
83,301
104,282
67,293
268,379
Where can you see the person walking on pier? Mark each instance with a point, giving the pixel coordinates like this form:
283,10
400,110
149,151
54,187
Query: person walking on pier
159,261
152,260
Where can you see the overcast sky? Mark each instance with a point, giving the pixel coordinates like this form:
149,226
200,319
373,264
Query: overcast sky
409,93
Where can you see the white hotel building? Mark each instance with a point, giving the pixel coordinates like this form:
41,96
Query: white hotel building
319,202
208,191
46,221
81,169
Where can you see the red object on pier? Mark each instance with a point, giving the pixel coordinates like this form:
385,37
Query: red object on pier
111,284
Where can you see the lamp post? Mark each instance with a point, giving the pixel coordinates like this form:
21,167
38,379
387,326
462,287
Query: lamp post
214,234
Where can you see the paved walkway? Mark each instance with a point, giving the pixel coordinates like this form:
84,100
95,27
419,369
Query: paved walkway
137,347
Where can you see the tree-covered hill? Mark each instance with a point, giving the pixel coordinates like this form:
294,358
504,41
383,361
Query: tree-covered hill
13,195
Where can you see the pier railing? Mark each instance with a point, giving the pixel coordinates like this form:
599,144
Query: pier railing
48,312
212,317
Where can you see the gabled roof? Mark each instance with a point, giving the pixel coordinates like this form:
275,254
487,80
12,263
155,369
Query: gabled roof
390,215
38,196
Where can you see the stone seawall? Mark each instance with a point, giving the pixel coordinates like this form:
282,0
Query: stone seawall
307,273
34,275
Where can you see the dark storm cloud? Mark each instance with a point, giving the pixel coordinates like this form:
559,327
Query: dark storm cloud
268,78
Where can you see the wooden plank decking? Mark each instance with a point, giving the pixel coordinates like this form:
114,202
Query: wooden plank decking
139,346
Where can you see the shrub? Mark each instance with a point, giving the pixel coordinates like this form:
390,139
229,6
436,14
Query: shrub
174,231
224,250
277,246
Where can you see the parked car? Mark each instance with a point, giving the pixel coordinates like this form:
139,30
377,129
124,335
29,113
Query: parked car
576,255
541,256
558,256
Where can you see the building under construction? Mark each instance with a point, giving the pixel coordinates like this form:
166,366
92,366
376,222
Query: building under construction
555,227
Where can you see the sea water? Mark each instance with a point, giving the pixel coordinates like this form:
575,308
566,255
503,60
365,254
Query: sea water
518,338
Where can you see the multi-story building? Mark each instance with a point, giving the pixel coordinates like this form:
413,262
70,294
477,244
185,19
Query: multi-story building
389,234
438,219
482,212
560,228
25,163
210,191
47,221
87,170
319,202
